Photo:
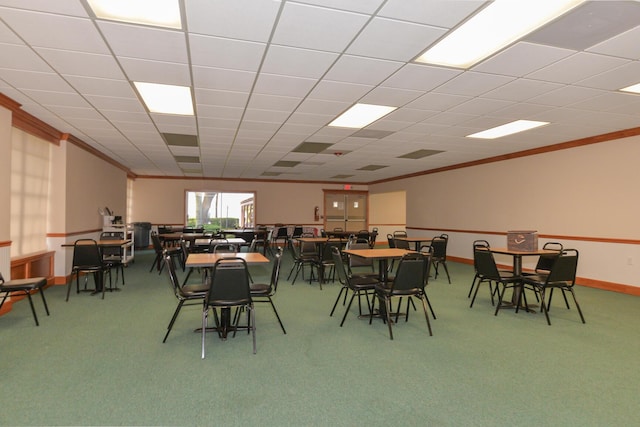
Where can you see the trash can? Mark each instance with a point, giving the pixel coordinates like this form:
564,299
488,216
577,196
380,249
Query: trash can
141,232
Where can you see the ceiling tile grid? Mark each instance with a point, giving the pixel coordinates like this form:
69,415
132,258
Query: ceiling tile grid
268,76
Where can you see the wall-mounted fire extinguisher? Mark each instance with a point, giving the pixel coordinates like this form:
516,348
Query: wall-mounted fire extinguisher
316,213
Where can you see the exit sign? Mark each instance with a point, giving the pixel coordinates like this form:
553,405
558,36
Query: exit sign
347,187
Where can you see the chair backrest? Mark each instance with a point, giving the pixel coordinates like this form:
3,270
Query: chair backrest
86,253
1,279
401,244
427,252
545,261
399,233
439,245
155,241
411,273
275,272
229,283
564,267
112,250
482,245
391,241
225,248
308,249
297,231
373,236
485,264
173,276
340,229
283,233
339,265
356,261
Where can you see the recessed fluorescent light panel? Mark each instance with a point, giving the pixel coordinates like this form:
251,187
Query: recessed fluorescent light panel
361,115
633,88
166,99
161,13
496,26
507,129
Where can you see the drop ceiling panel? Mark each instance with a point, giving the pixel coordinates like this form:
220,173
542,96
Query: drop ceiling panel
473,84
82,63
420,77
151,43
577,67
247,20
522,59
23,57
624,45
339,91
441,13
102,87
355,69
297,62
306,26
225,53
407,42
219,78
142,70
272,84
55,31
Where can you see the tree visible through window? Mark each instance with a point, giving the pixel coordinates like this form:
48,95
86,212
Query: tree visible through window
220,210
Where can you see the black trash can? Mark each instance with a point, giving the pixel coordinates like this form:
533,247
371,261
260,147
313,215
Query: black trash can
141,232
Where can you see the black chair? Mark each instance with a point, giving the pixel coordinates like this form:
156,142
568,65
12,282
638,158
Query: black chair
439,245
24,287
261,240
158,263
87,259
229,288
264,292
487,271
483,244
357,264
304,257
401,244
223,248
327,266
410,281
427,251
373,236
359,286
281,235
562,275
297,231
545,261
112,256
186,294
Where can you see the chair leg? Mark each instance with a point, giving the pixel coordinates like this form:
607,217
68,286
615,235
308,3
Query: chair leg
577,305
44,301
338,299
173,319
253,326
426,315
277,316
347,310
387,309
500,296
205,314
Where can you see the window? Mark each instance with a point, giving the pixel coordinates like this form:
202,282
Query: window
219,210
30,158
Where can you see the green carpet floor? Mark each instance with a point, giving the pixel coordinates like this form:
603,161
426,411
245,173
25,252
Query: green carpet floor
102,362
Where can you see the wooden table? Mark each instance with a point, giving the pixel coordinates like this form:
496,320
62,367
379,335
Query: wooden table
209,260
415,240
382,255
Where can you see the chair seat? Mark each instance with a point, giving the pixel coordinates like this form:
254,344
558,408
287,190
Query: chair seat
23,284
195,290
386,289
260,289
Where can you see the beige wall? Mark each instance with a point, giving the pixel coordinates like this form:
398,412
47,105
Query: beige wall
387,212
91,183
162,201
589,192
